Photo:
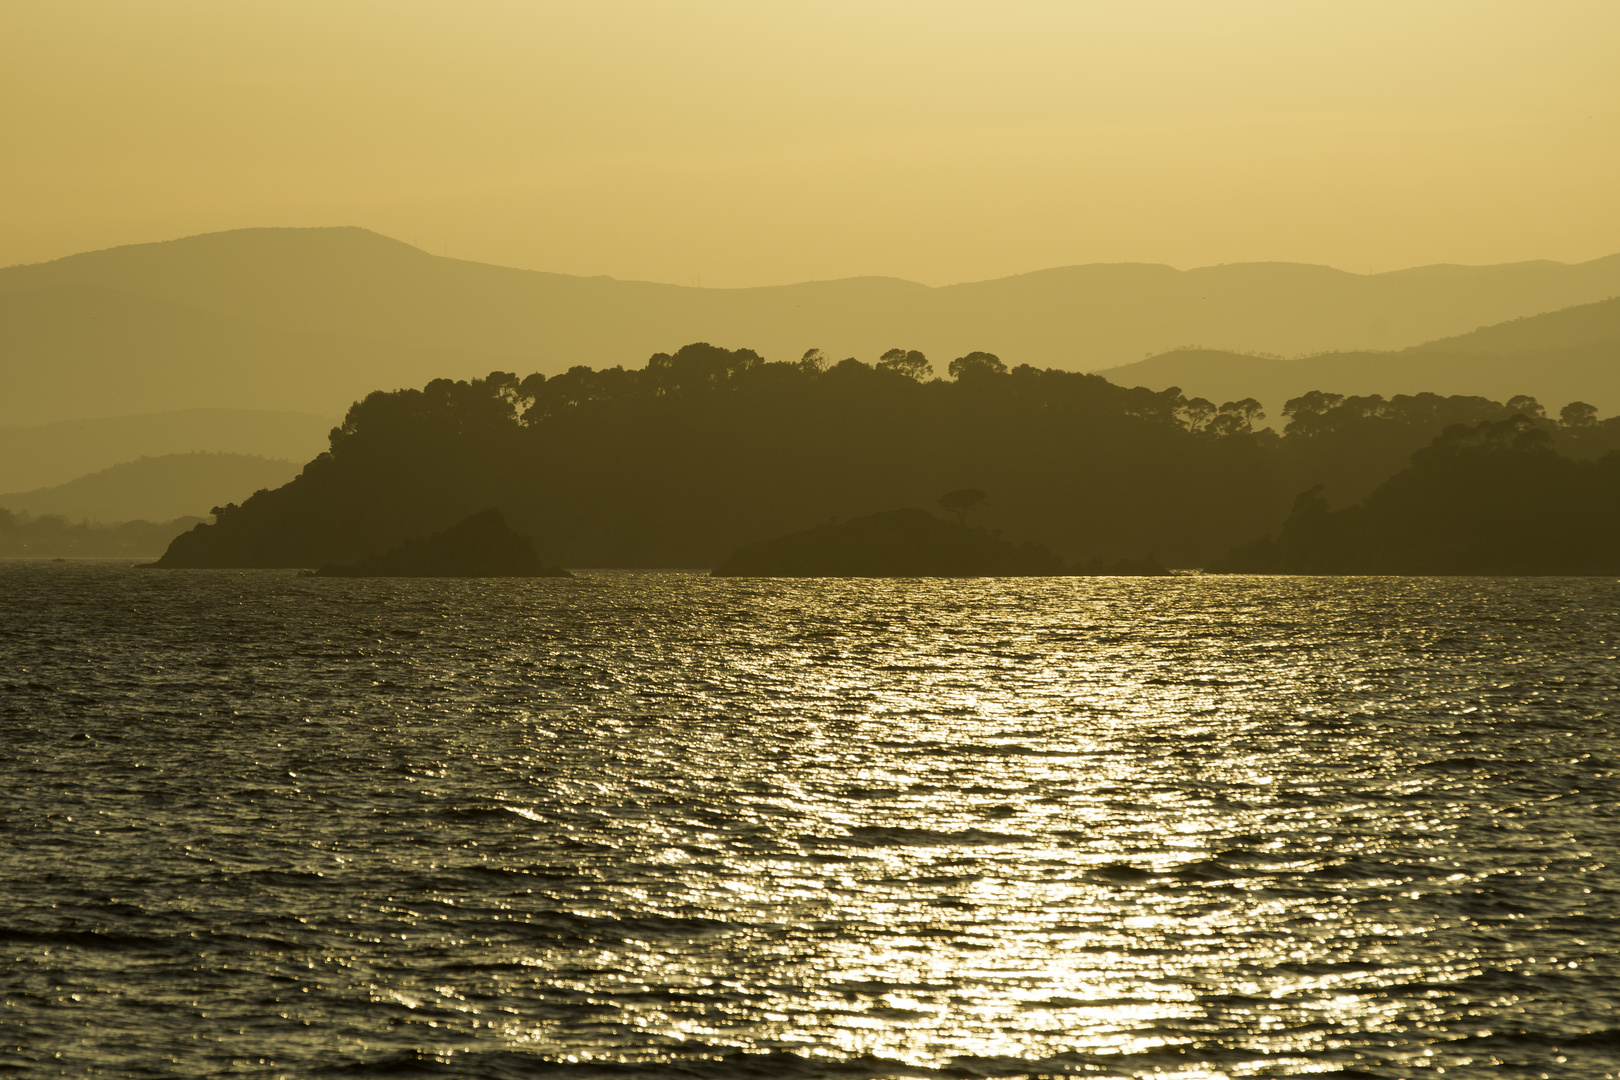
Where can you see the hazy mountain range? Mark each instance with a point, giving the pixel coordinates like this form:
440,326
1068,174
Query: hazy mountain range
253,343
1557,357
45,455
156,488
307,320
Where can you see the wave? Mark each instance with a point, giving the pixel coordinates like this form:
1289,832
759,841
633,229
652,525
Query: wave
685,1060
112,940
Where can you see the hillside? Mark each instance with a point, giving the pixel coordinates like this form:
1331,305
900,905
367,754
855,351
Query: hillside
1568,328
156,488
45,455
1555,357
1491,498
706,450
309,319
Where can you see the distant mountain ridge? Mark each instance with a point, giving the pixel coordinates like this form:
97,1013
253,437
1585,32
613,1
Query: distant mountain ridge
1572,327
156,488
1556,357
309,319
45,455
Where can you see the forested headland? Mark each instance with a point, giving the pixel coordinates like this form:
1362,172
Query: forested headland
678,463
1491,498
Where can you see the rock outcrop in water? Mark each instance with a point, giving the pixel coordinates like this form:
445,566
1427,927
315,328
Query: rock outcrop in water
894,543
1488,499
482,545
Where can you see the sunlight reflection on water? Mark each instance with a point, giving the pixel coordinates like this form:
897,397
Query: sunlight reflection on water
1193,827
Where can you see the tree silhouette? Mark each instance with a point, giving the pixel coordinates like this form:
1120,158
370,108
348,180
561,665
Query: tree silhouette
1529,406
960,501
911,364
1198,413
1578,414
976,364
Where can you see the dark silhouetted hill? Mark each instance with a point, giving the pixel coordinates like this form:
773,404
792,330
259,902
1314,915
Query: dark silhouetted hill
1491,498
687,459
681,462
156,488
307,319
45,455
892,543
481,545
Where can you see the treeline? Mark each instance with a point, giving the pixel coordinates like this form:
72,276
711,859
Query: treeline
677,463
52,536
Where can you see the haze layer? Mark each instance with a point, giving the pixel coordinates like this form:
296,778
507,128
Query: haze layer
735,143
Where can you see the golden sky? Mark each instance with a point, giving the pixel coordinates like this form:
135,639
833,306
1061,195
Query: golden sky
762,142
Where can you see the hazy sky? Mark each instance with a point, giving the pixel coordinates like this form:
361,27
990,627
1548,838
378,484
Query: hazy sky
760,142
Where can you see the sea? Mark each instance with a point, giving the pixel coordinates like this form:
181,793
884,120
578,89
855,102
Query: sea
647,824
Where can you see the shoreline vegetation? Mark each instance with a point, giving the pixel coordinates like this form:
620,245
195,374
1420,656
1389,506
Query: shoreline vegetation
704,450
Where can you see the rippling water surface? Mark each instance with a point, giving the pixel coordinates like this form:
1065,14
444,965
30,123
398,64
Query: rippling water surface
665,825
